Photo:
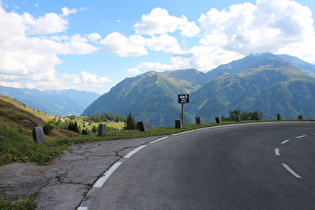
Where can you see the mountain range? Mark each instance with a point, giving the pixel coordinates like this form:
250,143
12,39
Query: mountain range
265,82
54,102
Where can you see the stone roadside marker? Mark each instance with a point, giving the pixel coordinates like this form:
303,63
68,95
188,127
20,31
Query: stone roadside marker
143,126
38,134
101,129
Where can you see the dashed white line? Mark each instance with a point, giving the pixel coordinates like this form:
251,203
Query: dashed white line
286,141
100,182
303,136
134,151
82,208
277,151
160,139
291,171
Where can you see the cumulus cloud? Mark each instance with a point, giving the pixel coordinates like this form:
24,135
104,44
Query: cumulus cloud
93,78
280,27
94,37
66,11
11,84
133,71
136,45
155,66
29,85
268,26
30,47
160,22
133,45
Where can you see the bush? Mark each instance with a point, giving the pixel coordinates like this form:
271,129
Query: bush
255,115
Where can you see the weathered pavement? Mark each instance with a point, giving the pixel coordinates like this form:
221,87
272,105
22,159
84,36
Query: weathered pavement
64,183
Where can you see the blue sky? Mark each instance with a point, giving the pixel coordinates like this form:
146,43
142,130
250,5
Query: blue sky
93,45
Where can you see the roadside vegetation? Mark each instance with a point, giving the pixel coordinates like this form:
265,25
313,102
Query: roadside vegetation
27,204
17,145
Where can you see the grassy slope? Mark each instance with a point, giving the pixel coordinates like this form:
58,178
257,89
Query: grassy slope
16,141
117,125
22,106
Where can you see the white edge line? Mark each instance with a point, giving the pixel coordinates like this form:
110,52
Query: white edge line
133,152
277,151
298,137
286,141
107,174
176,134
160,139
291,171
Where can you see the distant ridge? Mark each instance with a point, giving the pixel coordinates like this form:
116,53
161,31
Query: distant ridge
265,82
245,63
54,102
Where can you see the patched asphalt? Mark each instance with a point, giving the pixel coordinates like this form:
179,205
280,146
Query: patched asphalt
64,183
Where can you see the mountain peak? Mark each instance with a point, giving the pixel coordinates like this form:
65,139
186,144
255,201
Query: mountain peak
253,59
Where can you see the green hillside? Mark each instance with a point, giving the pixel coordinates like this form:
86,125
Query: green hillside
151,97
266,83
270,86
21,119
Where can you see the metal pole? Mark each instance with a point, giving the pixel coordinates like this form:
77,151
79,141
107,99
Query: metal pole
182,114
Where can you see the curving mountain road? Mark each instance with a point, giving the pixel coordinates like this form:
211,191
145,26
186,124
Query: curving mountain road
243,166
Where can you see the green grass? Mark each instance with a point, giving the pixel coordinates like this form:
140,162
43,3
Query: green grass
27,204
117,125
17,147
45,117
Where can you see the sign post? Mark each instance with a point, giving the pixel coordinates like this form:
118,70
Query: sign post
182,99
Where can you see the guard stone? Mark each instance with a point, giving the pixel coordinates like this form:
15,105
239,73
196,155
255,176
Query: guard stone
101,129
38,134
143,126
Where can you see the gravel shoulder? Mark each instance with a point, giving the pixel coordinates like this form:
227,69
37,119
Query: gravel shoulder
64,183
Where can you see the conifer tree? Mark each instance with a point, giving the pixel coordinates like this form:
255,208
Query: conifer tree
130,123
75,128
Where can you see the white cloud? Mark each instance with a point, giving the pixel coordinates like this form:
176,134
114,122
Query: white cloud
11,84
268,26
189,29
94,37
136,45
133,71
29,85
124,46
66,11
160,22
48,24
29,49
73,78
93,78
205,58
76,44
24,54
155,66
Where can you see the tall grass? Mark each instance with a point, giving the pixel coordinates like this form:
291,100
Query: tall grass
17,147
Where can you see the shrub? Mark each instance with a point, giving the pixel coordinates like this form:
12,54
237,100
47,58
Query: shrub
255,115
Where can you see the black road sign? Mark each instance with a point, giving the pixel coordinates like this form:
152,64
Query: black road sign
183,98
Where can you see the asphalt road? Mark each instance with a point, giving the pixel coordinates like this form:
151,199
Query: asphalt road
243,166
